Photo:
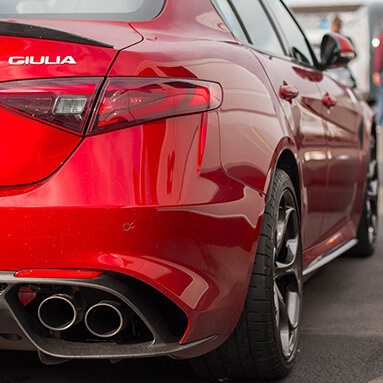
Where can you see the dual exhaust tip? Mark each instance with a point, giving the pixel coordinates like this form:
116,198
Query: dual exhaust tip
105,319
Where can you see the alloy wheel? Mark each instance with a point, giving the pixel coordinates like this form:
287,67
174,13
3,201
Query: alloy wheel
287,274
372,189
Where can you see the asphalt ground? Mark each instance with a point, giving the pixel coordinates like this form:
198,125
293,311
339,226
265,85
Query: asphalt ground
341,339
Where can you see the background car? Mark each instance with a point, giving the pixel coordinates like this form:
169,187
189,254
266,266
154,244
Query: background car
170,172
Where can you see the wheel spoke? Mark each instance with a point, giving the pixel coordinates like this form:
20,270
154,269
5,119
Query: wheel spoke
281,270
372,169
293,305
282,226
276,304
282,320
289,265
372,189
368,208
292,248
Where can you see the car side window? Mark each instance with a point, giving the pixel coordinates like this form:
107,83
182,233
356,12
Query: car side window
297,42
230,19
258,25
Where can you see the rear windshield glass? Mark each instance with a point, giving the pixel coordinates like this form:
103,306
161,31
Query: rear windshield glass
117,10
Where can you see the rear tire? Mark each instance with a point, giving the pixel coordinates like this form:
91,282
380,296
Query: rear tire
264,343
368,225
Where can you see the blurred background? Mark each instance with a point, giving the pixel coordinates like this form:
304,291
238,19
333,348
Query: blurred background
361,21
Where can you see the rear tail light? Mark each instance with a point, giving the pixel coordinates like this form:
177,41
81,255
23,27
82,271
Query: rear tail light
68,103
63,103
126,102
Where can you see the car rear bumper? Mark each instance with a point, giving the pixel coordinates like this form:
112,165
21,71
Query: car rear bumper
193,240
200,260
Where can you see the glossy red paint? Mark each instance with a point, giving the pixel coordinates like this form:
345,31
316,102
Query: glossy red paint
305,125
342,122
118,222
90,60
35,141
29,150
178,202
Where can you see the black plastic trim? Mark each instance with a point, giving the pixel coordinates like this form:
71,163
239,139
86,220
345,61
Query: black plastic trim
13,29
164,342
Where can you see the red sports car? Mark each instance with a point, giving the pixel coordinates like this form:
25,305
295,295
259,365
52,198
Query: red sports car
170,171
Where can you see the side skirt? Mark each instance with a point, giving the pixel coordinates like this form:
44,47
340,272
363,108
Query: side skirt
328,257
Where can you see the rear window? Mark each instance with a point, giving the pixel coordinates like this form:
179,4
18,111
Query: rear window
115,10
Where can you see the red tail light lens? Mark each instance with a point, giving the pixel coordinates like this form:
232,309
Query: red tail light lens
66,103
126,102
63,103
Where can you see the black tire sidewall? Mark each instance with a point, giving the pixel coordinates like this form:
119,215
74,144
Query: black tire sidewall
281,183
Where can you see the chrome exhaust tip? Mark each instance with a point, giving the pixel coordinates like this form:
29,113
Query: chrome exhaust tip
59,312
106,319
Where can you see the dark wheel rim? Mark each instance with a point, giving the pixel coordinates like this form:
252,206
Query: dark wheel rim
372,189
287,274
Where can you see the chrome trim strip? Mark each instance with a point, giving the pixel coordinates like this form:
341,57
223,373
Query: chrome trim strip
330,256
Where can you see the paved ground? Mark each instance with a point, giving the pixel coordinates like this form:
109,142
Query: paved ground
342,337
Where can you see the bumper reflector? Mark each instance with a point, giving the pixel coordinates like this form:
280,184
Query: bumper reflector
58,273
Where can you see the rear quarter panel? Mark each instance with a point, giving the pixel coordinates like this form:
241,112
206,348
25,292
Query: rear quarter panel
251,132
252,124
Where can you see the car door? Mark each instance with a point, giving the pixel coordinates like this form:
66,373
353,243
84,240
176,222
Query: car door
343,117
295,80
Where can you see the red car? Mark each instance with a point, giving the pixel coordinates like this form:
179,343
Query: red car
170,171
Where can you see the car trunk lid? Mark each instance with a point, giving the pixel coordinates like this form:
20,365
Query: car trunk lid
52,71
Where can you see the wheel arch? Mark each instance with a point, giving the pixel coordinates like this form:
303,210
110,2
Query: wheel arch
287,162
